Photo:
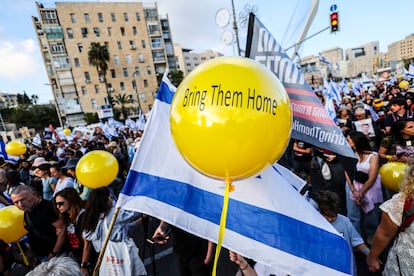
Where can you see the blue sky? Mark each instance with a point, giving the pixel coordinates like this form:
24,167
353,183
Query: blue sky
193,26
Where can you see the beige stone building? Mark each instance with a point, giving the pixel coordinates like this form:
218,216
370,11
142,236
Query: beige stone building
402,49
187,60
138,41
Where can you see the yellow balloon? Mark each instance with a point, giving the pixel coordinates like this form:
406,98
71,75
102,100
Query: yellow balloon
11,224
391,174
230,118
349,84
67,131
97,169
403,84
15,148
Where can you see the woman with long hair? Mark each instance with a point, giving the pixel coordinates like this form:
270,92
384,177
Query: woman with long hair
98,215
48,181
399,146
70,206
396,226
365,192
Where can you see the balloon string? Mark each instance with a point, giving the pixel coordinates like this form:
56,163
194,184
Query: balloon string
222,224
26,262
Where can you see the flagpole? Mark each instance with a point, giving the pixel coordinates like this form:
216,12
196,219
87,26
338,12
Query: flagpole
236,32
108,234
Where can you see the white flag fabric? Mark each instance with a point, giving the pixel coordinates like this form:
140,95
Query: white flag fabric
267,219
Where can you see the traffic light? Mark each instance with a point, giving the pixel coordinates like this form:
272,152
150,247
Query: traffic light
334,22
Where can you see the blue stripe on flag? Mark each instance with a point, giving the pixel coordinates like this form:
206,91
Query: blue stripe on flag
166,96
290,235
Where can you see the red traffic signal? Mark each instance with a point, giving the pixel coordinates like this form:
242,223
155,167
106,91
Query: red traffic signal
334,22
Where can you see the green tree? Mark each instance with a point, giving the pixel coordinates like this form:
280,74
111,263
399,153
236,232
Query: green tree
122,100
98,56
43,114
23,101
175,76
34,98
91,118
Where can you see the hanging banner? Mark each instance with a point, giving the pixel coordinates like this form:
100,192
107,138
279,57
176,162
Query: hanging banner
311,121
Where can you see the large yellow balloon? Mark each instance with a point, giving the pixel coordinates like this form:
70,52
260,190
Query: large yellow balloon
67,131
230,118
403,84
11,224
97,169
15,148
391,174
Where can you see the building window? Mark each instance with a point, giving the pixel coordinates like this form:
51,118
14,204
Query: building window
84,32
148,70
97,31
156,42
136,71
109,31
122,31
80,47
93,103
132,45
84,91
97,89
143,97
69,32
141,58
143,44
113,74
87,77
122,86
113,17
72,18
128,58
145,83
116,59
126,17
119,45
106,45
134,30
49,16
138,16
125,72
77,63
87,18
100,17
57,48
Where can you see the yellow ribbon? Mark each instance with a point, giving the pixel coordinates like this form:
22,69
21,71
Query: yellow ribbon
223,220
26,262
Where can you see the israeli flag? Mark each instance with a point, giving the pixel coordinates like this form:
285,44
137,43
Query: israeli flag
267,219
411,71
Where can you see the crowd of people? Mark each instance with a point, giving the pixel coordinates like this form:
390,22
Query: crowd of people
65,219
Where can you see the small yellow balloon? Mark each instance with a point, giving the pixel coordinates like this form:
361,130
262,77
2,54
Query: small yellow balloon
349,84
403,84
11,224
15,148
97,169
391,174
230,118
67,131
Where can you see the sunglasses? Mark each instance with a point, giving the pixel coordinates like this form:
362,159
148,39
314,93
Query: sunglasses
59,204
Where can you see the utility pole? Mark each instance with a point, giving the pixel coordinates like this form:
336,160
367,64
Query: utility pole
309,20
136,91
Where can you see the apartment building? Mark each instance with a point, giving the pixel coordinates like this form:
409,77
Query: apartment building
139,43
187,60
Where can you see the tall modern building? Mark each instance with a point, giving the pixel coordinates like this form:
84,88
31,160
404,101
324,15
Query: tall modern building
139,43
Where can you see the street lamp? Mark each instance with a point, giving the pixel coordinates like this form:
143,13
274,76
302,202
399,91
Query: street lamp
136,90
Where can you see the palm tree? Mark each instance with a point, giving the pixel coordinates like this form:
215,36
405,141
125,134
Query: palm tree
122,100
98,56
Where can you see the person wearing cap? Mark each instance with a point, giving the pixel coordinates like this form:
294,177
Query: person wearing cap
378,108
48,182
398,107
70,167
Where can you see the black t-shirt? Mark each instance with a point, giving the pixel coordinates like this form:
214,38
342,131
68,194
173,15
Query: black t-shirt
187,245
302,156
42,234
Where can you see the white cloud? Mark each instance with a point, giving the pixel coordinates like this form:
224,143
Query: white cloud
18,59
